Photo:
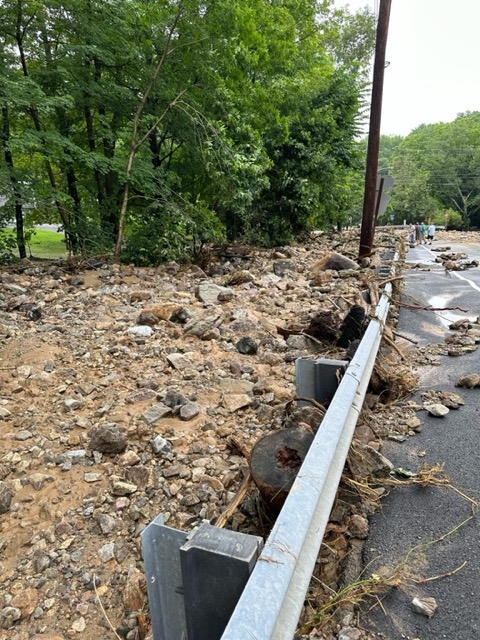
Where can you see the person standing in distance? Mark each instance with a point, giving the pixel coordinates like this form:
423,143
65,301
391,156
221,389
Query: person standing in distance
431,233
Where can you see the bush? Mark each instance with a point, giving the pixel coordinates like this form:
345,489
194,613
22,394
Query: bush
170,232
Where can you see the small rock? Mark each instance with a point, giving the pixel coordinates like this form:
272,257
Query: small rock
134,597
107,552
349,633
79,625
26,601
108,438
70,404
160,445
178,361
470,381
358,527
247,346
121,488
425,606
189,411
141,330
437,410
210,293
155,413
233,402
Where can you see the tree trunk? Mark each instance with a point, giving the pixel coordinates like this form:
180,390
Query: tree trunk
22,251
275,462
65,218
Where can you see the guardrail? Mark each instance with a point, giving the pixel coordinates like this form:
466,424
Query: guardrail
271,603
216,584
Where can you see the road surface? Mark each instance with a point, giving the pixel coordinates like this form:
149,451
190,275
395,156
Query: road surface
413,515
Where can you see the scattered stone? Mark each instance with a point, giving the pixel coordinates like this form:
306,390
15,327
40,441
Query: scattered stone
247,346
121,488
155,413
334,261
437,410
233,401
107,552
282,267
366,461
179,361
160,445
350,633
189,411
470,381
358,527
134,597
108,438
426,606
70,404
6,496
141,330
210,293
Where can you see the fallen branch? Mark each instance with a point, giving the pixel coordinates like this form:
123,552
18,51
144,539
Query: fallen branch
400,335
224,517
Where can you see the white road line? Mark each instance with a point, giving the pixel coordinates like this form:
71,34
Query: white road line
472,284
455,273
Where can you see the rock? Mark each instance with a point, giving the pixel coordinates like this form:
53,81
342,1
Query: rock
203,325
210,293
121,488
179,361
233,402
108,438
70,404
358,527
27,601
107,552
79,625
4,413
155,413
138,475
160,445
471,380
366,461
189,411
437,410
247,346
334,261
425,606
350,633
141,330
134,596
154,314
106,522
283,267
8,616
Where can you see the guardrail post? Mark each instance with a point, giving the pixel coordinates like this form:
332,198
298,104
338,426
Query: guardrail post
195,580
318,379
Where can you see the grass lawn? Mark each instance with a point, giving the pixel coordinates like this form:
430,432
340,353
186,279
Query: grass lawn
44,244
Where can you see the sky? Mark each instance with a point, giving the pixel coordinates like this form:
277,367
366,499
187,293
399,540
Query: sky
433,48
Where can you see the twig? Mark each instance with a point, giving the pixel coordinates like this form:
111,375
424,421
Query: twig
103,610
223,518
415,307
442,575
400,335
392,344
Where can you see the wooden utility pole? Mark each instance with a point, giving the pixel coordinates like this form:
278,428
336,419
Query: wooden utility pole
368,221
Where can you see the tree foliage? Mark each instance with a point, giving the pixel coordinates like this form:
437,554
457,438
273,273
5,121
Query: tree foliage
437,168
158,126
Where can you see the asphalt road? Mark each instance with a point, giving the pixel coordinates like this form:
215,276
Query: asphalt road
414,516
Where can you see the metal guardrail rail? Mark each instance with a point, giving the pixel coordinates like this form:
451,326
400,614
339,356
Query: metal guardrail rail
272,601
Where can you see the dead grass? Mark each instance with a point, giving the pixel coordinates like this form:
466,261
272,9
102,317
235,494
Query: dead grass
374,587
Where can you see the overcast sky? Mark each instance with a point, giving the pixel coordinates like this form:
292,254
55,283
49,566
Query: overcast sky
433,48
